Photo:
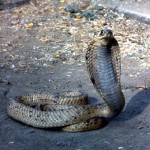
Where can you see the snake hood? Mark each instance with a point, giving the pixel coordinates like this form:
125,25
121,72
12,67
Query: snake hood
104,66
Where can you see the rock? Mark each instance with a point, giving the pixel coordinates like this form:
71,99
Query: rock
84,4
12,67
88,15
72,8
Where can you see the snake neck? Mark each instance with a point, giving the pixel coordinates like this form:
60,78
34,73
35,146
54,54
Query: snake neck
105,79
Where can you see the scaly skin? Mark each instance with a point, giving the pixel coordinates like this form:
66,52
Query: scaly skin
103,64
104,67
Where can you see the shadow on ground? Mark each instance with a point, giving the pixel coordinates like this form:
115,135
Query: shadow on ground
136,105
11,4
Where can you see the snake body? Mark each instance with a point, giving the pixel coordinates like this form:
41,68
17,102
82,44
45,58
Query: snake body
103,65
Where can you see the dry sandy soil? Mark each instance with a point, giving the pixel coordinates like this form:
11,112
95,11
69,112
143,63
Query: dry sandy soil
36,56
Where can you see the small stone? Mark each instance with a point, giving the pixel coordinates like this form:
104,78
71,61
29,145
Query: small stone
12,67
105,24
21,66
75,57
120,147
45,65
131,75
4,50
2,65
98,7
88,15
106,142
141,127
72,8
73,30
130,54
4,81
84,4
12,142
63,58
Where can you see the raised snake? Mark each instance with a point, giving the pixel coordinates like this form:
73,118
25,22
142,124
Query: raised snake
103,65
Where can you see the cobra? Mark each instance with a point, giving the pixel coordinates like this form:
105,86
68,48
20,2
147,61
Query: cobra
71,111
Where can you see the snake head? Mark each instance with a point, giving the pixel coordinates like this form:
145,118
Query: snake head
106,33
105,37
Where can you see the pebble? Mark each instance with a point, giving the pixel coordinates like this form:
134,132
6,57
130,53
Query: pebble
45,65
72,8
73,30
4,81
131,75
130,54
140,127
12,142
12,67
106,142
88,15
99,7
2,65
4,50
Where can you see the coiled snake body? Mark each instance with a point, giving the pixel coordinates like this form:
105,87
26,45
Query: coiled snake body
103,65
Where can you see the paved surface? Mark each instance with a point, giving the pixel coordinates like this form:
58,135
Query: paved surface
139,9
28,64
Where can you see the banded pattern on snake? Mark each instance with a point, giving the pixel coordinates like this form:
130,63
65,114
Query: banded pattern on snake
103,65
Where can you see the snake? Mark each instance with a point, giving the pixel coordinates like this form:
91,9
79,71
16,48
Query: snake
70,111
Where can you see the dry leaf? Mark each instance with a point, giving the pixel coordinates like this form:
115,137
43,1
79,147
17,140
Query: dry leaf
44,39
78,18
29,25
62,1
62,8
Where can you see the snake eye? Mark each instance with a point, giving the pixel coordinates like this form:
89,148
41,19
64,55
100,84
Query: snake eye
102,32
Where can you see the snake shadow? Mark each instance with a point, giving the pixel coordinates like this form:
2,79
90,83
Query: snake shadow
136,105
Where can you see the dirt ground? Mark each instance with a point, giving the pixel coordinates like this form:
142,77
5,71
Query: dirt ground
41,52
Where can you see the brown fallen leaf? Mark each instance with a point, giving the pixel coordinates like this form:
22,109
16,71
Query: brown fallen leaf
29,25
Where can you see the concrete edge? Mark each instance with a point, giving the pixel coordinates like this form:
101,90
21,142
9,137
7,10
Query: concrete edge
135,15
126,12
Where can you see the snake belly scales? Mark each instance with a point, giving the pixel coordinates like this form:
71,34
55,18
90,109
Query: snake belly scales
70,110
